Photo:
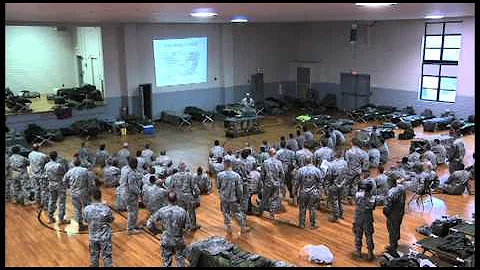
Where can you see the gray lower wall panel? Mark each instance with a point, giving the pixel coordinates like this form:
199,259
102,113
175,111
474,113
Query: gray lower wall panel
462,107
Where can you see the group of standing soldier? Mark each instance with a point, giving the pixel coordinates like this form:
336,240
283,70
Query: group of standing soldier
329,173
171,193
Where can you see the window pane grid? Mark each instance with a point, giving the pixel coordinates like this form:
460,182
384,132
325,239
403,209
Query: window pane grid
441,52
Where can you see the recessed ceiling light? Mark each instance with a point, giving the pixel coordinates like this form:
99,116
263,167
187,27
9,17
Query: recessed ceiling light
434,17
375,4
239,20
203,13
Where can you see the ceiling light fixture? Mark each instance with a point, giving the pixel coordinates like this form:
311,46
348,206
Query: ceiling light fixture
239,20
203,13
434,17
375,4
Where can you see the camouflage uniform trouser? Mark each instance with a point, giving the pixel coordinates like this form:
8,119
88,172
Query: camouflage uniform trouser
79,202
270,199
60,195
308,200
120,200
8,189
44,193
170,247
132,209
351,183
393,227
36,181
361,227
289,183
18,181
188,204
228,209
105,247
455,164
334,201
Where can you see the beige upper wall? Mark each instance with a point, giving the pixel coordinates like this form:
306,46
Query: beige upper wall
390,51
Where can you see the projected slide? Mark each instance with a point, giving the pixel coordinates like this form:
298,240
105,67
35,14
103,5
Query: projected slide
180,61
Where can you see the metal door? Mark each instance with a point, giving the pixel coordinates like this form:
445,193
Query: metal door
303,82
355,90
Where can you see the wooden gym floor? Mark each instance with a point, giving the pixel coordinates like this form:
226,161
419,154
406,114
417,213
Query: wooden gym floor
29,241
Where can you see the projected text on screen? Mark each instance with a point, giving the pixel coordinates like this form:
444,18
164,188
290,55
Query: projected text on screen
180,61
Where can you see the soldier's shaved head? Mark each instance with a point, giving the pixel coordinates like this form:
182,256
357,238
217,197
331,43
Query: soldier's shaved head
172,197
272,152
36,146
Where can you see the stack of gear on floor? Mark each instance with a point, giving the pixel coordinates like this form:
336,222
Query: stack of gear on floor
218,252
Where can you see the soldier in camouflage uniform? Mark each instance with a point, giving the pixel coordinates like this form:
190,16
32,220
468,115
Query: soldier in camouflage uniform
133,187
439,150
77,179
121,191
84,155
154,196
394,210
111,173
141,163
17,165
163,159
8,181
338,138
381,182
148,155
357,161
173,220
384,152
457,182
217,150
287,157
374,157
455,155
273,178
184,185
363,219
123,155
37,161
230,188
292,144
203,181
309,188
300,139
250,161
428,155
323,153
263,155
309,138
101,156
57,188
302,155
217,167
334,175
99,218
254,185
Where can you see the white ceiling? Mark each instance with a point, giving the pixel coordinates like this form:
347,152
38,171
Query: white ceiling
256,12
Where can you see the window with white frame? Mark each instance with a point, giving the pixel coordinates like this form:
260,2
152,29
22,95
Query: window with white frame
441,52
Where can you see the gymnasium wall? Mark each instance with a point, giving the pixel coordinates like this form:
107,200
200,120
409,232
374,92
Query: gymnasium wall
390,51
